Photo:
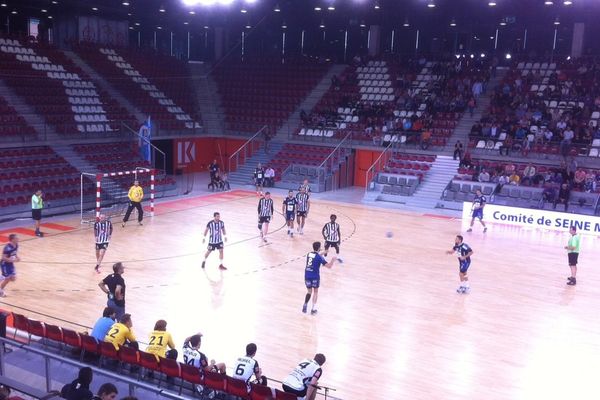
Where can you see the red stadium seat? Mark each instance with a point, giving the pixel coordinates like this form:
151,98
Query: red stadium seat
53,332
170,368
36,328
280,395
107,351
237,387
260,392
21,323
90,345
71,338
190,374
215,381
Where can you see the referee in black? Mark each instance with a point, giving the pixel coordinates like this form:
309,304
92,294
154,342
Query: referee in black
332,236
265,213
103,230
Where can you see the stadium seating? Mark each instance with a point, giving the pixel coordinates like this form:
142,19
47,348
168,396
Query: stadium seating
402,174
159,85
255,93
58,90
24,170
12,124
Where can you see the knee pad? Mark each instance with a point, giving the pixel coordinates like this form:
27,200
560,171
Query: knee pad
260,227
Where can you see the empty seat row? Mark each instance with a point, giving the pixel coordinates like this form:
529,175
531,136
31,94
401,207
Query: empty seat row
377,97
383,77
376,90
536,65
65,76
33,59
380,83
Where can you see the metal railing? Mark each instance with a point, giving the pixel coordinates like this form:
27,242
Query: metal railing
377,166
245,150
328,166
48,357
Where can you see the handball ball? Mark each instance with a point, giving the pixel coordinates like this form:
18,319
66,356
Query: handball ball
389,234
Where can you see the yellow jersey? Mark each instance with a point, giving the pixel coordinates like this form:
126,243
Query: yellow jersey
158,343
117,334
136,193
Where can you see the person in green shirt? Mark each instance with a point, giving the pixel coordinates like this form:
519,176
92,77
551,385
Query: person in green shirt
573,253
37,203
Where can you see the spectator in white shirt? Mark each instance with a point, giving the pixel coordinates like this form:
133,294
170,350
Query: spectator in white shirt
548,135
484,176
270,177
528,174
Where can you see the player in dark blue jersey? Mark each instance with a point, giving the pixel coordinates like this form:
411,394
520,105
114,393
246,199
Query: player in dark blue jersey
312,277
216,238
9,258
477,210
464,253
288,209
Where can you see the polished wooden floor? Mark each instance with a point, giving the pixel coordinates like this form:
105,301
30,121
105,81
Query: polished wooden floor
390,321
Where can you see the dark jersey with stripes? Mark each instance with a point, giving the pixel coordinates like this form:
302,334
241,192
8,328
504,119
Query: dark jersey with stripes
215,229
302,199
331,232
290,204
265,207
103,231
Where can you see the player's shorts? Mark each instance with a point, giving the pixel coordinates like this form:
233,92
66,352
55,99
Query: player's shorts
36,214
464,265
260,182
295,392
478,213
312,283
302,213
101,246
289,216
215,246
8,270
264,220
335,245
573,258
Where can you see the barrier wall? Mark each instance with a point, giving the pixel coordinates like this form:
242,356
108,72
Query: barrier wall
195,154
541,219
364,160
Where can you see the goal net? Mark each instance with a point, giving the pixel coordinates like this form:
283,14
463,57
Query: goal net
106,193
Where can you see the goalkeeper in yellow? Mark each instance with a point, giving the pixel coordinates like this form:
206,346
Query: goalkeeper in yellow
136,194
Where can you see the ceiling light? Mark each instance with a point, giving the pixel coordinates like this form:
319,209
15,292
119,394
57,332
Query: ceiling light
125,3
284,26
548,3
322,25
206,27
503,23
248,26
331,8
243,11
482,55
192,12
508,56
129,14
14,12
406,24
377,7
317,8
453,23
492,4
3,5
186,23
49,16
159,27
277,9
362,24
44,10
94,8
54,2
431,4
567,2
556,21
137,24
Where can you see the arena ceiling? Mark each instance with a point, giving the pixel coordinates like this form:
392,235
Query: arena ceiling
175,15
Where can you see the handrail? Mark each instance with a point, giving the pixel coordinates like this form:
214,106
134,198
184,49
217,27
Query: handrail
375,163
334,150
132,383
242,147
145,139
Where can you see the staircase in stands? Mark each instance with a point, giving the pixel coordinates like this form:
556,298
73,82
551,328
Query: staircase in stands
428,193
207,98
243,175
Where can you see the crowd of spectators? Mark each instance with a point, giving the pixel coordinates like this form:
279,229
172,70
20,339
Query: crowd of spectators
557,182
557,115
458,85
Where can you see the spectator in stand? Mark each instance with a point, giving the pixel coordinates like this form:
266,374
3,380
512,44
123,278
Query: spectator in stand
502,180
590,183
120,334
160,340
104,323
471,105
579,179
484,176
548,195
215,182
458,149
528,174
425,139
79,389
548,135
565,144
226,185
564,194
107,391
270,177
571,168
509,168
514,179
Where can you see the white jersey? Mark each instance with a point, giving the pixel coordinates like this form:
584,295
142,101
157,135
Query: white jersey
194,357
244,368
301,376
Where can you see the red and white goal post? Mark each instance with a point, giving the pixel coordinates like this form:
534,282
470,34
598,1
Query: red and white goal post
107,193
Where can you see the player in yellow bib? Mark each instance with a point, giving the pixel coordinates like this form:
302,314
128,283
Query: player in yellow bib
135,194
573,254
160,340
120,334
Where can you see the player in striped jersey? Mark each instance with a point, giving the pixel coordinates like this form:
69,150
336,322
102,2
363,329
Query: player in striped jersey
247,366
216,238
332,236
103,230
265,213
288,209
302,198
